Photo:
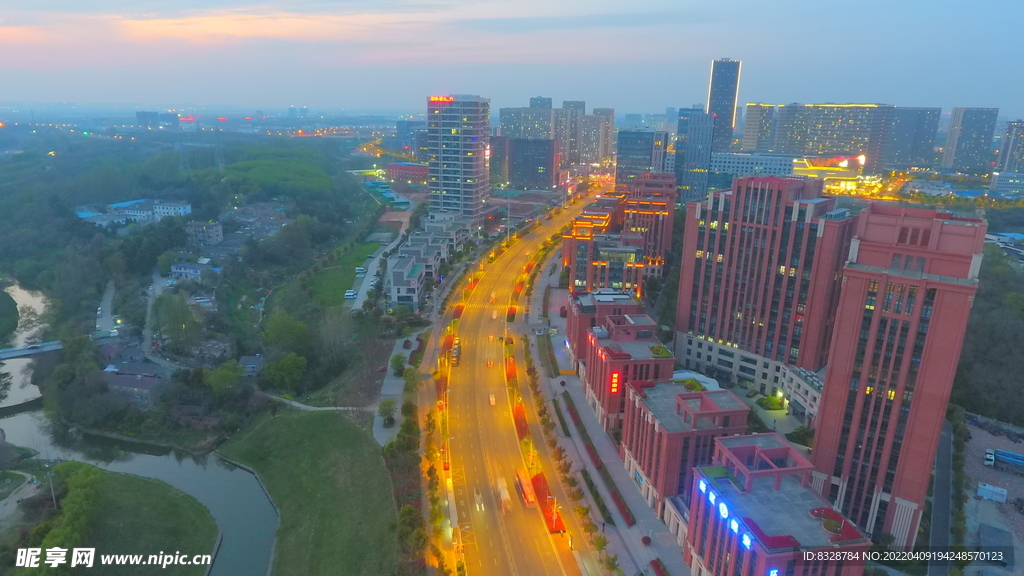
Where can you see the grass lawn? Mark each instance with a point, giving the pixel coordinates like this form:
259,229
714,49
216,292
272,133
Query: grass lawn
144,516
329,284
328,479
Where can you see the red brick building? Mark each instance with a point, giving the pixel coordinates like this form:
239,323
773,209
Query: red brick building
668,429
907,292
753,513
620,351
589,309
760,280
650,212
407,172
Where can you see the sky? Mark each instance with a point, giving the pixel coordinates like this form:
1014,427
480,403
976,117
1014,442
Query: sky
389,55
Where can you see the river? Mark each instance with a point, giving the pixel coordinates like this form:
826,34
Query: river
31,305
244,514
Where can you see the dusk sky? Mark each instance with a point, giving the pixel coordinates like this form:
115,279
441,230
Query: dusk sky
390,54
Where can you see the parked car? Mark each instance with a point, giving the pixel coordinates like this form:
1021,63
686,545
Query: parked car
350,294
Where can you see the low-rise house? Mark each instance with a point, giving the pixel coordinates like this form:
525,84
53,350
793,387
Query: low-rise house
405,282
204,233
141,391
253,365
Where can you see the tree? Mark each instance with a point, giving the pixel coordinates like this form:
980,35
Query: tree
412,379
398,364
164,262
286,373
387,408
600,543
174,319
225,378
283,331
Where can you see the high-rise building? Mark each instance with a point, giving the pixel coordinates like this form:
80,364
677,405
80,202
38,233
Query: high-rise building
567,133
969,141
830,129
753,513
405,133
908,139
540,102
694,137
623,349
1011,153
458,130
597,135
649,211
907,290
671,117
783,245
532,163
527,123
667,430
638,151
758,127
500,146
722,93
147,119
742,164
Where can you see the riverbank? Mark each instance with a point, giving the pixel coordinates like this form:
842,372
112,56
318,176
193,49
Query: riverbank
144,516
327,478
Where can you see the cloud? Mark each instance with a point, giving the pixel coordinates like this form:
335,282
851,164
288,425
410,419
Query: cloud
577,22
24,35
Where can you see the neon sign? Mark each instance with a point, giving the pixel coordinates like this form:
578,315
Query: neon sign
703,486
734,526
615,382
723,510
746,541
442,98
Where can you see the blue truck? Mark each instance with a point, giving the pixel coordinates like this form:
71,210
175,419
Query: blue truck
1005,460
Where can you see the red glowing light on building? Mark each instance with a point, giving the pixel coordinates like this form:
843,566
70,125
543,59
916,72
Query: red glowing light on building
442,98
615,382
222,119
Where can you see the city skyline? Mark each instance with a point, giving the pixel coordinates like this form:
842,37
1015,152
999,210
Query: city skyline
264,55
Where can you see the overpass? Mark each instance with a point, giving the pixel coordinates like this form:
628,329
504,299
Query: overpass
33,349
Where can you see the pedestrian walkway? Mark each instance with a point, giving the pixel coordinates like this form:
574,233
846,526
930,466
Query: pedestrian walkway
393,387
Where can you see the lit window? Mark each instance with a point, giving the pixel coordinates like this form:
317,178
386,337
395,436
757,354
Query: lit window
892,394
718,258
869,390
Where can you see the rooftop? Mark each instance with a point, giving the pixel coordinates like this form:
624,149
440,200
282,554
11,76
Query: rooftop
661,400
779,519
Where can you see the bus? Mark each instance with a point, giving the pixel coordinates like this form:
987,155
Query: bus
506,500
525,487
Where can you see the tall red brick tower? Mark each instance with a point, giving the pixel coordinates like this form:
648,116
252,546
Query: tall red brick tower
907,291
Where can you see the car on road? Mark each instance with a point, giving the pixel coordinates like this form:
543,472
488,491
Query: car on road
490,362
539,331
479,498
350,294
150,288
490,338
34,347
494,314
492,399
99,311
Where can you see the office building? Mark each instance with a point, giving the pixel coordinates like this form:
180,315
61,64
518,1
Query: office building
722,93
694,134
458,129
969,140
422,147
638,151
668,429
406,131
649,211
499,160
829,129
589,309
604,260
527,123
908,139
540,102
753,513
147,119
1011,149
907,290
411,172
532,164
743,164
758,128
1008,183
621,350
783,245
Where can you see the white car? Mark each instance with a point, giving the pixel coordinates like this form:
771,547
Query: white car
492,399
360,275
479,500
350,294
494,315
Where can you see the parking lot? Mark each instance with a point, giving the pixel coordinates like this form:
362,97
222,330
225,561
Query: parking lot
1000,515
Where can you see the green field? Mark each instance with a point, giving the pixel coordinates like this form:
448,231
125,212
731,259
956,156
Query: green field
327,477
329,284
144,516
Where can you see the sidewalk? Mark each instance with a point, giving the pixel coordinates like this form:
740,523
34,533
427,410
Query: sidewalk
392,387
625,542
